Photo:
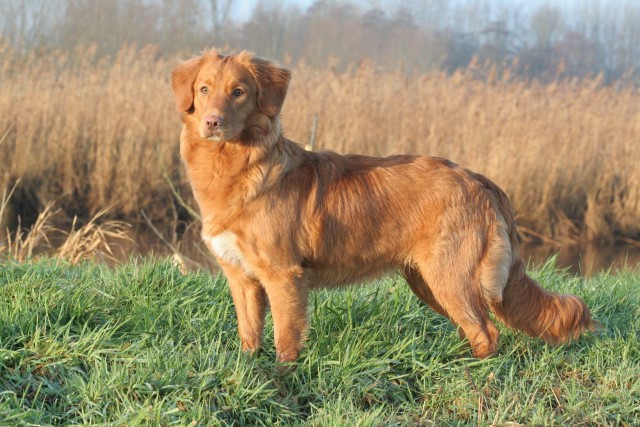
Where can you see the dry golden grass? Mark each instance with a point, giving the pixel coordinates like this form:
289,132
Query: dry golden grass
22,244
105,133
96,130
94,240
97,240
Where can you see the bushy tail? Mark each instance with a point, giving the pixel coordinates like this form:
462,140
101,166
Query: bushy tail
526,306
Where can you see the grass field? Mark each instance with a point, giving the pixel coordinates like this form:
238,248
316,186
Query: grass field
142,344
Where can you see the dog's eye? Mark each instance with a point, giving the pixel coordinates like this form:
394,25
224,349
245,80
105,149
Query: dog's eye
238,92
204,90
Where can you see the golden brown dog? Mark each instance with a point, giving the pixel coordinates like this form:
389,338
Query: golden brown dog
282,221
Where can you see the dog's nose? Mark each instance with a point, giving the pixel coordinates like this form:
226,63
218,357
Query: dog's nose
213,122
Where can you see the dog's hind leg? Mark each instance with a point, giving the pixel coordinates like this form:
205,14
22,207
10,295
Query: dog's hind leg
454,292
421,289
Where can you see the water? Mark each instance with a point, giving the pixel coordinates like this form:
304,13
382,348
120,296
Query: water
585,259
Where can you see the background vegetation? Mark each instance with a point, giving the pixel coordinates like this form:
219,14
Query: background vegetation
537,39
542,99
100,132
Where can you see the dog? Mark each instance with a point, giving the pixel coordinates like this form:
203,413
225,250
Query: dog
282,221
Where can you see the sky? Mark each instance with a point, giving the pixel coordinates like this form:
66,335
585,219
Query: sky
245,7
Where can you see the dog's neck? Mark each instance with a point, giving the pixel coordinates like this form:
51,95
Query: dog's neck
223,172
263,136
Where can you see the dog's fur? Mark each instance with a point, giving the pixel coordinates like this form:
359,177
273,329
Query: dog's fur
282,221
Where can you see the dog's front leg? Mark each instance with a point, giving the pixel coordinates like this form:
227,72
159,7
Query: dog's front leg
288,296
250,302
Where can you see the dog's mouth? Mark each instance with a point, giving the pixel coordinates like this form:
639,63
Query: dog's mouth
221,135
214,136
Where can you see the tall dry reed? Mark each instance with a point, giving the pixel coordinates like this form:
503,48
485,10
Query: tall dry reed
94,130
566,153
103,132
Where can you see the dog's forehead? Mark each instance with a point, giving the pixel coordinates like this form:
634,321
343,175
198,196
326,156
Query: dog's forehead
224,70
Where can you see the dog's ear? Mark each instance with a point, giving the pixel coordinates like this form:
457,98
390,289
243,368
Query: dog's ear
272,81
183,77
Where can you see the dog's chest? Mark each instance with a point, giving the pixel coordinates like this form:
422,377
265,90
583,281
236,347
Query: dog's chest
225,246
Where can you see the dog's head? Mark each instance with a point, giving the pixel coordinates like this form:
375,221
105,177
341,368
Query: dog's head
228,97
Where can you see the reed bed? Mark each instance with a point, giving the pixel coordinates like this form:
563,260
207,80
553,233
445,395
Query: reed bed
96,132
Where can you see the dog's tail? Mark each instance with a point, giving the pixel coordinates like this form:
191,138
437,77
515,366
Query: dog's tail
522,303
526,306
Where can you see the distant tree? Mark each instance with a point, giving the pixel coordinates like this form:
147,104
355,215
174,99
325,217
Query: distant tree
28,23
581,38
537,58
268,31
497,44
460,49
546,26
579,55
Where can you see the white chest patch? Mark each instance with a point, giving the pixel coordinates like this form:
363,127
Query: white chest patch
225,247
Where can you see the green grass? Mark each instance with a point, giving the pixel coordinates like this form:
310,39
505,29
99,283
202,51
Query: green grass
144,345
